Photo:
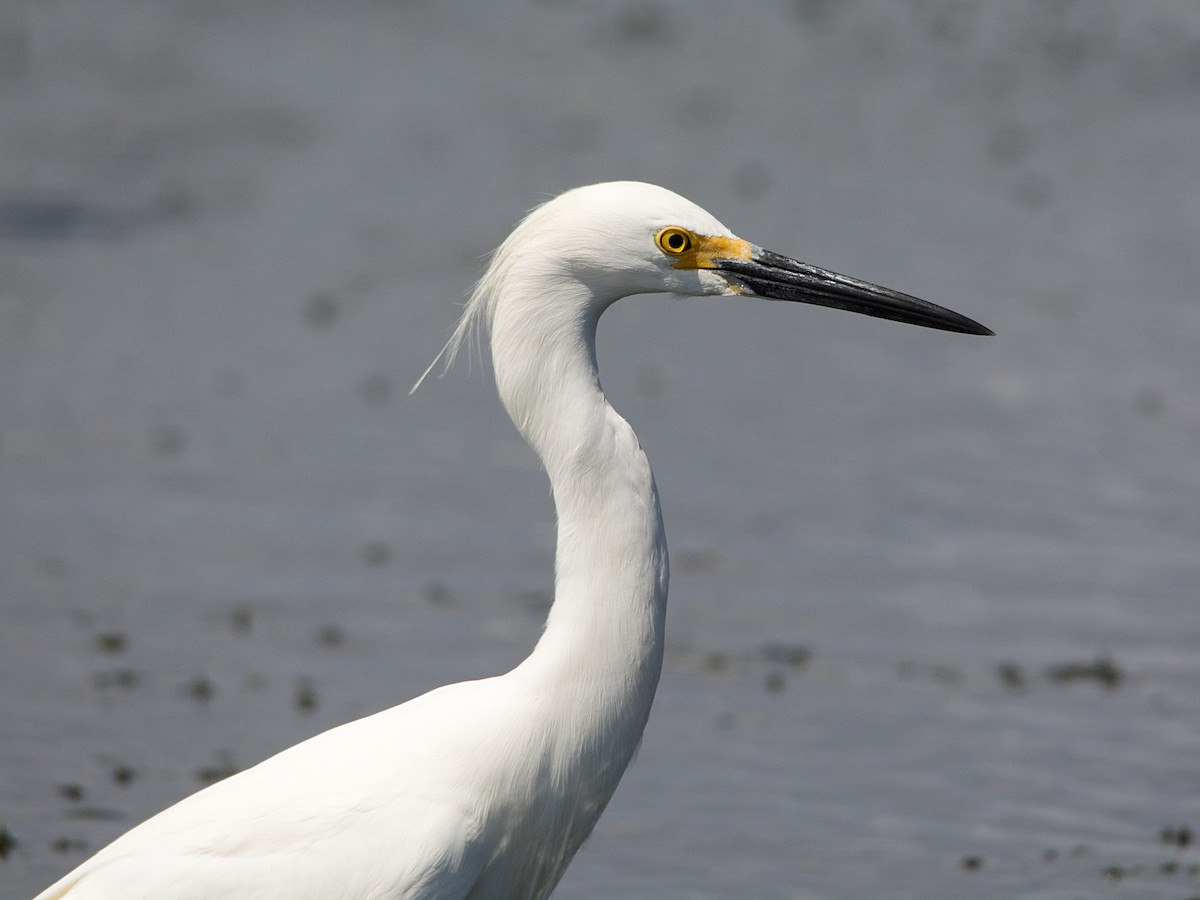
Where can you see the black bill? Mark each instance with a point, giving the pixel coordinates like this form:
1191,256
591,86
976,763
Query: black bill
777,277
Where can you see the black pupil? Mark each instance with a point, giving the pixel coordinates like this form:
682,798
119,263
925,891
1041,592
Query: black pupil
676,241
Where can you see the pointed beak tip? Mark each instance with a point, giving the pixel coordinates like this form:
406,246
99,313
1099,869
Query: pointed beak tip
970,326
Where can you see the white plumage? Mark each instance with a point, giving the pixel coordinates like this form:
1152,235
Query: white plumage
486,789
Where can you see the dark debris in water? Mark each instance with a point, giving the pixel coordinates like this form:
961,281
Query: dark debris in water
123,775
72,793
7,842
715,661
123,679
1116,873
772,664
436,594
795,656
1102,670
1176,836
241,619
65,845
331,635
306,696
200,689
321,310
780,657
1011,676
113,642
222,769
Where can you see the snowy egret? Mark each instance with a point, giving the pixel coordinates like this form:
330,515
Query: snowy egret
486,789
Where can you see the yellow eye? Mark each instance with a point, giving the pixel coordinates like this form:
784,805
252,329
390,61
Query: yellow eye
674,241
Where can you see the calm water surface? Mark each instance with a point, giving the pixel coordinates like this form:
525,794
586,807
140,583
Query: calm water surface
934,615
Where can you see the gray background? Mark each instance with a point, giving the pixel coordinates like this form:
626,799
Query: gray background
933,625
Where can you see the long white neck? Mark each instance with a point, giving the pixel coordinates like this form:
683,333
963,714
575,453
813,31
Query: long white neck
601,653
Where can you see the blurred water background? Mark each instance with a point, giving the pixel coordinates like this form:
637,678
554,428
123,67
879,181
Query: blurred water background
934,619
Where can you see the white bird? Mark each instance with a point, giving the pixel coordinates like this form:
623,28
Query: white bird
486,789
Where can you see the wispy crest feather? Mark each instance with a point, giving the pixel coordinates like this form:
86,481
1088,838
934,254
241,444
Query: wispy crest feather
477,312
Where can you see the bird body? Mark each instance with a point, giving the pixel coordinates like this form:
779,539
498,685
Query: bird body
368,809
485,789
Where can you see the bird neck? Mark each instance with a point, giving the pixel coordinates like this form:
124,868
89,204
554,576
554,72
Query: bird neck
603,643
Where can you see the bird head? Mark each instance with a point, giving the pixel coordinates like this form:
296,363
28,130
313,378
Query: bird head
576,254
623,238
